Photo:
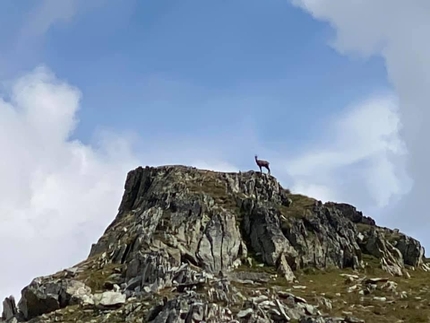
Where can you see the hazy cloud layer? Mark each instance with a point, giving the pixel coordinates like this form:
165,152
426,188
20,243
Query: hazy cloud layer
359,157
397,31
23,30
56,195
47,13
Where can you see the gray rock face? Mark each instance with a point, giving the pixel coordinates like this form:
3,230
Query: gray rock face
211,219
9,308
393,249
191,234
109,299
39,298
411,250
46,295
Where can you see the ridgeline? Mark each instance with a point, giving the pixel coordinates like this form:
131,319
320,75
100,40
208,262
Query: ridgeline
191,245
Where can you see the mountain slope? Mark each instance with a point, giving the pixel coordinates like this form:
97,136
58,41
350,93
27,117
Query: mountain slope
191,245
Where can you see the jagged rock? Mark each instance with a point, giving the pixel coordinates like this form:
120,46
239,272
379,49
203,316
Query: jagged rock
325,302
299,287
308,319
189,308
262,226
375,280
350,277
196,235
411,250
353,288
352,319
351,213
9,308
283,267
75,292
39,298
13,319
245,277
44,296
392,257
389,286
161,198
109,299
244,313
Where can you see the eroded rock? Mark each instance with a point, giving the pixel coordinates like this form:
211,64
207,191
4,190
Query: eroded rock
9,308
196,235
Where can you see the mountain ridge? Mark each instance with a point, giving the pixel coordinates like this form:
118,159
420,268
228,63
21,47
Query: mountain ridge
181,231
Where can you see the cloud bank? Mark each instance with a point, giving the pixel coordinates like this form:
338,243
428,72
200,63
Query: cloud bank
358,159
396,31
56,194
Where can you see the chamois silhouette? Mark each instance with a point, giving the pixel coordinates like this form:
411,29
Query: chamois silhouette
262,163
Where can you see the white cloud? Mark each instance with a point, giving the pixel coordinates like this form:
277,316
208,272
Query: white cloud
319,191
57,195
397,31
358,160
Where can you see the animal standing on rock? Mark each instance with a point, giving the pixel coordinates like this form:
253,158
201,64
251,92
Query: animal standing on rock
262,163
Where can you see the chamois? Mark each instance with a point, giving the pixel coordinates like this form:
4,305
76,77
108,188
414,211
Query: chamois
262,163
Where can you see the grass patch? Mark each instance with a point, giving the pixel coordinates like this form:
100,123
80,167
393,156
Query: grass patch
392,237
96,278
300,207
257,263
257,268
72,314
389,235
363,227
371,263
329,284
215,188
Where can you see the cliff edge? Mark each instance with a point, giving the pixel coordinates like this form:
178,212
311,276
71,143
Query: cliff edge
192,245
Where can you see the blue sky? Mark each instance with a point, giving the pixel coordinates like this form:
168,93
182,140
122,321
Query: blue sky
180,64
194,68
328,92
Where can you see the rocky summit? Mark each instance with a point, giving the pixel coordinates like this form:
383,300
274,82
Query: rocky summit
191,245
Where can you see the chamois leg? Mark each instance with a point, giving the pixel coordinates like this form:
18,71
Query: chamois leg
260,169
268,169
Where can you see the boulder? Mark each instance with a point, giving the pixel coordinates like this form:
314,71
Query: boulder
44,295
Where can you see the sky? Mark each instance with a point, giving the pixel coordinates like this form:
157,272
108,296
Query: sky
333,93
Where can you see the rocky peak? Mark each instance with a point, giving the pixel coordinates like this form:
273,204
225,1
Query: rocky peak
187,245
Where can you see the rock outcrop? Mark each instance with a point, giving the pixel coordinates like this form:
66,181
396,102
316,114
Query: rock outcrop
190,245
9,308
